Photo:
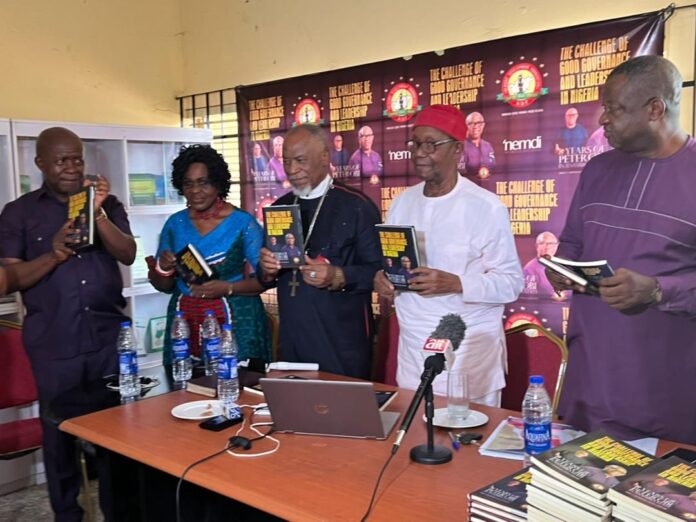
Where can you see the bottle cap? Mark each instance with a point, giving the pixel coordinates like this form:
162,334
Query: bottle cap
125,323
180,314
227,326
209,312
536,379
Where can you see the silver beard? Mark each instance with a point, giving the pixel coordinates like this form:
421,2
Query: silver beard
302,192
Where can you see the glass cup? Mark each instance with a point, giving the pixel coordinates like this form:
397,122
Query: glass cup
457,397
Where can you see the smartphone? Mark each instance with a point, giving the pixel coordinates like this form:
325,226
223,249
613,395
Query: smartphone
220,422
688,455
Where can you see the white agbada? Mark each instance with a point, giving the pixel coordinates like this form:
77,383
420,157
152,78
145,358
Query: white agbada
465,232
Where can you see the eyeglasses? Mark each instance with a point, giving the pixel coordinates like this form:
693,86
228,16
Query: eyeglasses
427,146
199,183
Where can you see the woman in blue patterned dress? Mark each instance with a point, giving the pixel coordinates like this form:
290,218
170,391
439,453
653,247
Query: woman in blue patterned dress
229,239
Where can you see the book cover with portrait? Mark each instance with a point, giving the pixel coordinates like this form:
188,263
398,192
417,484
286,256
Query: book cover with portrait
667,487
81,211
283,230
593,463
399,253
503,497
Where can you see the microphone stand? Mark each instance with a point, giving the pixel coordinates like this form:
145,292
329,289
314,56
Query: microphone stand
429,453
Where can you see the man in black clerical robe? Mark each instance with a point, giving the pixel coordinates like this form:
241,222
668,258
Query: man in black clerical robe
325,306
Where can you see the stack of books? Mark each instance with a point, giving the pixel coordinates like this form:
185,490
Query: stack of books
571,482
664,491
503,501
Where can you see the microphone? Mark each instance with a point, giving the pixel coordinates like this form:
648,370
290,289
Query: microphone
446,338
442,343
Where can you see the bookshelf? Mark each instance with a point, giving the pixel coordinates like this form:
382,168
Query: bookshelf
9,305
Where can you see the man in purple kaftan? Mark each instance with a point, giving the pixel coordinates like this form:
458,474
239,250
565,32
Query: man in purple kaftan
632,362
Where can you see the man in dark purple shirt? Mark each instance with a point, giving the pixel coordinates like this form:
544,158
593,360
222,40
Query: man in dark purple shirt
633,349
74,302
478,157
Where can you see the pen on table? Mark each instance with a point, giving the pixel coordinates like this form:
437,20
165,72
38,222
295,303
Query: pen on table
455,442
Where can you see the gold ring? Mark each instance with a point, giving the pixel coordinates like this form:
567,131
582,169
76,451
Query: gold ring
312,274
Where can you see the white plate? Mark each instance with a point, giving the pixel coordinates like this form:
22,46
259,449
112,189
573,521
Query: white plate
442,420
197,410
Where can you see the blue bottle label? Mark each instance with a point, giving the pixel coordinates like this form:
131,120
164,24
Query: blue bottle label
537,438
227,367
180,349
212,348
128,363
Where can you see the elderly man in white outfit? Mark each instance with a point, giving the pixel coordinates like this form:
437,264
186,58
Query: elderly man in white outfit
469,262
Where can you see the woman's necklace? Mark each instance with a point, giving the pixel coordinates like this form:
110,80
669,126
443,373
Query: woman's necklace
211,213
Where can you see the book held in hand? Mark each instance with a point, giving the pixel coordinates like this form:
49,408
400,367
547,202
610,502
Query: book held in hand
399,253
192,267
81,210
665,490
583,273
283,227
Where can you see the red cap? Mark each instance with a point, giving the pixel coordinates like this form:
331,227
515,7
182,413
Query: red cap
445,118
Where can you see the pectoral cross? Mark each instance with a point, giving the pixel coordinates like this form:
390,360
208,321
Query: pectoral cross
294,283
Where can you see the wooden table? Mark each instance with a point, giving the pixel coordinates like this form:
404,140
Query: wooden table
309,477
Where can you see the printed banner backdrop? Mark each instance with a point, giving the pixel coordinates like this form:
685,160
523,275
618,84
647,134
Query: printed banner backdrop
532,104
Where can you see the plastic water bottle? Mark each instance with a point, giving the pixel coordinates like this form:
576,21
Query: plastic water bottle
181,351
536,412
228,380
128,380
210,342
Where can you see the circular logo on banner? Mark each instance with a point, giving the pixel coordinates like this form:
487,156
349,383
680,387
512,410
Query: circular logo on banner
307,111
401,103
521,85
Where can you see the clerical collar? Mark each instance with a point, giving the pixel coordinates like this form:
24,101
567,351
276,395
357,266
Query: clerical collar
321,189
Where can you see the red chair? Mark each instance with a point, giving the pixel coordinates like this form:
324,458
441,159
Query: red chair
533,350
386,348
17,388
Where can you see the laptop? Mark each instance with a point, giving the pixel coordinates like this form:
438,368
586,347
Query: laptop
333,408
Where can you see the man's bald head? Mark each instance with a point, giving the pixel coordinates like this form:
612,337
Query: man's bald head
49,137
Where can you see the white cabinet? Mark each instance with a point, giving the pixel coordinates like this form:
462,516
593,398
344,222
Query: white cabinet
137,161
8,304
